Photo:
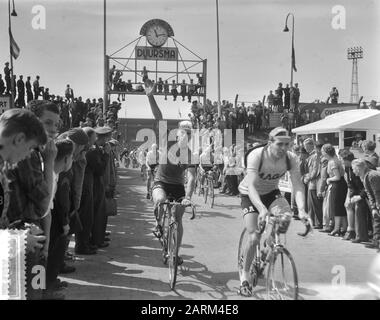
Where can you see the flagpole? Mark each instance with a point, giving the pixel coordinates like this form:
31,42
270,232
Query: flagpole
10,53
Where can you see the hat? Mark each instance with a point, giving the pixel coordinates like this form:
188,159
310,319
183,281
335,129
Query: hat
309,141
185,125
103,130
76,135
280,133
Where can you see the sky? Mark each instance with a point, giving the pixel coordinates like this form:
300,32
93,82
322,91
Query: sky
254,51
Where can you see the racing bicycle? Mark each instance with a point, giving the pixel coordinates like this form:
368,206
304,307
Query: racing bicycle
169,238
281,273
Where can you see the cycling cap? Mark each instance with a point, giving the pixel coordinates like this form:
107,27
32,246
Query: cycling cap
185,125
280,133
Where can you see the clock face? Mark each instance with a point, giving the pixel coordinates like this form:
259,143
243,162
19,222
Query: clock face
156,35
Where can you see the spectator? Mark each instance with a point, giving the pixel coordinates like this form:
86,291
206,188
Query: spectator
21,92
270,100
60,215
356,203
357,143
174,91
7,77
338,189
297,95
370,155
371,182
36,87
166,89
97,161
29,93
323,191
69,93
310,178
2,85
334,95
183,90
286,91
191,89
160,85
32,186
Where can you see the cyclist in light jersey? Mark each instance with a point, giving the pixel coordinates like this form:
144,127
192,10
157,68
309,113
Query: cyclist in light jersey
206,163
152,159
142,162
259,189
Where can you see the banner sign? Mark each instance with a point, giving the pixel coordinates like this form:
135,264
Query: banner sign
322,110
152,53
5,104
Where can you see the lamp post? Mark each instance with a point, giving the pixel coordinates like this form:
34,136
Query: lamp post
105,67
286,29
218,47
13,14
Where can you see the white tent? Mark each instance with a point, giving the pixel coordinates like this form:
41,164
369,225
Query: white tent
359,119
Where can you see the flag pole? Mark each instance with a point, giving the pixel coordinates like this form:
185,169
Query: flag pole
10,53
105,68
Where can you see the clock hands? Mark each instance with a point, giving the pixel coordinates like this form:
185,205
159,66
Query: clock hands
155,31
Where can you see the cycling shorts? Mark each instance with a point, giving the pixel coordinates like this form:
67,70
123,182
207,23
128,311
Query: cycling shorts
267,199
176,191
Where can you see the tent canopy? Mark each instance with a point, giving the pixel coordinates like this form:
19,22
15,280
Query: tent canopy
358,119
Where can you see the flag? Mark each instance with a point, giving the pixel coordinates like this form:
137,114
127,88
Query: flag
293,59
15,50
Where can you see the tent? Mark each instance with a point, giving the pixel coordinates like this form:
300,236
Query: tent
358,119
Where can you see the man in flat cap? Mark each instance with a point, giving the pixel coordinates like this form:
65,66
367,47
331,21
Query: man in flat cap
97,160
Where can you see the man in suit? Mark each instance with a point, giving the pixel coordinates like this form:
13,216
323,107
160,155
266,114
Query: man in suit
21,92
310,178
36,87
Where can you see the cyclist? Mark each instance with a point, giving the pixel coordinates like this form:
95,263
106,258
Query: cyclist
206,163
142,163
169,178
152,159
169,181
259,189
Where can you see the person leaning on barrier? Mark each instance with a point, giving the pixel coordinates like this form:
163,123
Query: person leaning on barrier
370,155
356,203
21,133
371,182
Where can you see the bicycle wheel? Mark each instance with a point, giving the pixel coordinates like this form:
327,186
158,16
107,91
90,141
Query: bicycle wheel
173,254
211,193
205,190
243,239
165,234
282,279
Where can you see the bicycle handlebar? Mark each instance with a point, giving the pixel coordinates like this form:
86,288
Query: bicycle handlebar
173,203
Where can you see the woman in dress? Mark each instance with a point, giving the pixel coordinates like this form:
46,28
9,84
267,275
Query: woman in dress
338,189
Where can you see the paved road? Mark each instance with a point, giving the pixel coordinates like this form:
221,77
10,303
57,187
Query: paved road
131,267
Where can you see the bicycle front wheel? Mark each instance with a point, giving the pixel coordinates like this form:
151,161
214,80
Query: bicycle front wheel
211,192
205,191
173,254
282,279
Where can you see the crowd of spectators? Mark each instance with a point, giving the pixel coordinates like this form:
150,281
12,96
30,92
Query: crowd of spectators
57,179
184,89
343,193
74,111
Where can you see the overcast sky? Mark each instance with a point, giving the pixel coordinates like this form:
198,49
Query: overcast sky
255,53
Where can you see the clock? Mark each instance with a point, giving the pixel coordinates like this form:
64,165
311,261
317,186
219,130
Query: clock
156,35
157,32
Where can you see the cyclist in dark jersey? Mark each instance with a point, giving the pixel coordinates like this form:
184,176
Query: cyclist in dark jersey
170,175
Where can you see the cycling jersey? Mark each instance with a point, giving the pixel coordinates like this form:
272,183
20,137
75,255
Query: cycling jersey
270,173
171,173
